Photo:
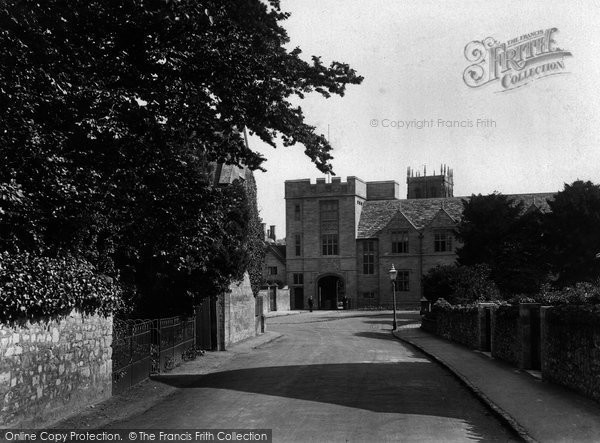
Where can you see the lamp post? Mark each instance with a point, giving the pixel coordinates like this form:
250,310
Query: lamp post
392,272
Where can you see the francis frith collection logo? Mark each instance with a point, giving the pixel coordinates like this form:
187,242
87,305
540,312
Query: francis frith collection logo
516,62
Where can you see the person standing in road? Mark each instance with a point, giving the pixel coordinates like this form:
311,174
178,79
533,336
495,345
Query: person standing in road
310,303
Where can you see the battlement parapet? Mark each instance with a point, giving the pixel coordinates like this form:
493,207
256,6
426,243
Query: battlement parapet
304,188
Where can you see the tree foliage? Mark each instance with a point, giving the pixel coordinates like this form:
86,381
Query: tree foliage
112,113
572,234
255,241
182,73
486,223
496,230
460,285
34,287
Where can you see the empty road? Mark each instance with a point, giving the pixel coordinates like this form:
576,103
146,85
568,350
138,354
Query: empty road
332,376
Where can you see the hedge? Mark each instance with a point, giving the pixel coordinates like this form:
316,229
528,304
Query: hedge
34,287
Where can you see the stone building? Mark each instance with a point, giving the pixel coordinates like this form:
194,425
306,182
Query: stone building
274,271
342,238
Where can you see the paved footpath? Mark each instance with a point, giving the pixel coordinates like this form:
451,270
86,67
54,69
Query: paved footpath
538,411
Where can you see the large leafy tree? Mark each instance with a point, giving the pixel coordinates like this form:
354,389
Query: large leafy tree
487,221
496,231
112,112
572,235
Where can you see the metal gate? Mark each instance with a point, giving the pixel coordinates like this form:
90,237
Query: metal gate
172,338
131,353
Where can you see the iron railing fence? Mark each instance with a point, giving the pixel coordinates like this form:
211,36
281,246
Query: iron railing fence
131,357
173,340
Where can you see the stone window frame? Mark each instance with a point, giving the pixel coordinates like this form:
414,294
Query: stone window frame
403,280
369,254
297,212
272,270
329,210
400,246
329,244
298,278
298,245
442,241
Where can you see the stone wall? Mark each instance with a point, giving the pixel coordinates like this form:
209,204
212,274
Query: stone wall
571,348
52,369
238,316
505,334
383,190
459,324
283,299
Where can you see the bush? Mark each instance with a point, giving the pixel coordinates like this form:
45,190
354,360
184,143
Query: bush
582,293
460,285
33,287
582,316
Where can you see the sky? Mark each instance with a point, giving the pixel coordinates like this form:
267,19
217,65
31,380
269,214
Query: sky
412,56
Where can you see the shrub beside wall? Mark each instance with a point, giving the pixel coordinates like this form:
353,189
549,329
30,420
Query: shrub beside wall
458,323
571,349
51,369
505,334
37,287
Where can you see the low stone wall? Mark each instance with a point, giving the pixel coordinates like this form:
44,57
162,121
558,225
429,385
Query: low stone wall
459,324
52,369
571,348
283,299
505,334
239,307
563,340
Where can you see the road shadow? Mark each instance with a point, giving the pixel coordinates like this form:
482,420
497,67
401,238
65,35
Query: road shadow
382,334
411,387
379,322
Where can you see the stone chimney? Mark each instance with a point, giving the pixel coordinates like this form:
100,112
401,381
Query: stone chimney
264,230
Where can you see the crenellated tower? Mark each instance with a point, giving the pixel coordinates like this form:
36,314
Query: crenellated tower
430,186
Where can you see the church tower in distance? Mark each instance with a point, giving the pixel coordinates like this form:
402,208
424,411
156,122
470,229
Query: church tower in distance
432,186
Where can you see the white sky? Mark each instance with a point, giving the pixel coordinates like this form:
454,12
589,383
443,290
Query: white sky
411,54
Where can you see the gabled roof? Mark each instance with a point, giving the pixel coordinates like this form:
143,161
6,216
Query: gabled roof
376,214
442,214
227,174
278,251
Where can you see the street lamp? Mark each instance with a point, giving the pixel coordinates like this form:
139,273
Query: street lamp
392,272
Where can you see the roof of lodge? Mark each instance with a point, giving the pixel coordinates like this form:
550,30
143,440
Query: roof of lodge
376,214
226,174
278,251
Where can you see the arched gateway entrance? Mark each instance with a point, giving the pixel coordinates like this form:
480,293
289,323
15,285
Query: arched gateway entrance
330,292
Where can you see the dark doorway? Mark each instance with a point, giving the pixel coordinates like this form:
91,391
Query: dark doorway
298,298
330,292
206,324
